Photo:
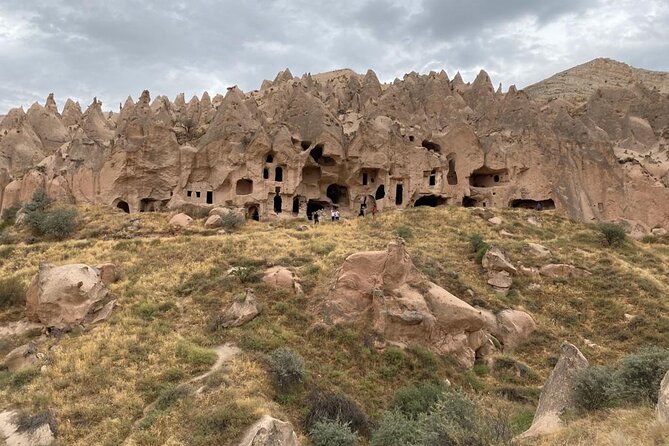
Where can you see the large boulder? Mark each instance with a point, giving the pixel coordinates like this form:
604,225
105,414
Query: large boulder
213,222
662,408
510,327
109,273
241,311
499,270
68,295
385,291
21,358
557,395
269,431
282,278
180,221
537,250
562,271
37,431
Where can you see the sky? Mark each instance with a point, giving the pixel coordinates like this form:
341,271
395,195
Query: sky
114,48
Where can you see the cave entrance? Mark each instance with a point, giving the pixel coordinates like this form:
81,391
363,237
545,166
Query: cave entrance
338,194
151,205
452,175
432,179
296,205
431,201
399,194
244,186
253,212
533,204
486,177
380,192
278,202
123,205
316,153
265,173
469,202
314,206
278,174
431,146
210,197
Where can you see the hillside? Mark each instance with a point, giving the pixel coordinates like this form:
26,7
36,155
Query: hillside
580,82
98,382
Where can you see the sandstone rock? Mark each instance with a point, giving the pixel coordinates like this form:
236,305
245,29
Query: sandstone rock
659,231
181,221
495,221
21,357
213,221
64,296
500,281
537,250
557,395
281,277
498,269
109,273
562,271
529,271
404,307
510,327
20,328
269,431
241,311
534,221
39,434
505,233
223,211
662,409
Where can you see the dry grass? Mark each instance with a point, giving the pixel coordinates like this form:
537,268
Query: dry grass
99,381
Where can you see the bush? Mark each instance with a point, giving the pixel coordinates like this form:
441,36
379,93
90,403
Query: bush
59,223
592,388
637,378
287,368
39,202
332,433
404,231
336,407
411,401
232,221
612,234
12,292
479,246
396,429
9,215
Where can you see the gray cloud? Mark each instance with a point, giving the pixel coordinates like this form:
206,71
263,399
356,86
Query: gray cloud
86,48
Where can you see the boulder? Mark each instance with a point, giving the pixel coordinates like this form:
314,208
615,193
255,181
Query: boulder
662,409
384,289
269,431
499,269
557,395
213,221
513,328
658,232
537,250
223,211
282,278
181,221
241,311
64,296
20,328
109,273
38,432
562,271
495,221
21,357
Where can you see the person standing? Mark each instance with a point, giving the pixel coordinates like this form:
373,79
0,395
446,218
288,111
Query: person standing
316,217
374,211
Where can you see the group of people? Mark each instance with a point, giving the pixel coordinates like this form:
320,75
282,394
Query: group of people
334,213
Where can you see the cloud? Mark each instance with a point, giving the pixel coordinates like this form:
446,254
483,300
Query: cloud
86,48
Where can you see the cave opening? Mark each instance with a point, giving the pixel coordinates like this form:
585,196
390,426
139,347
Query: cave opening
265,173
278,202
296,205
452,175
278,173
316,153
469,202
431,146
314,206
486,177
305,145
547,204
123,205
210,197
399,194
244,186
253,212
338,194
431,201
270,158
151,205
380,192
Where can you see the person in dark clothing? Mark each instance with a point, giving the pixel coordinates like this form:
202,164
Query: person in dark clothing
363,208
316,217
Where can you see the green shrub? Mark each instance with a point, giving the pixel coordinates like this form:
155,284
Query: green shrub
9,215
232,221
332,433
336,407
411,401
476,241
612,234
12,292
59,223
194,355
638,376
39,202
592,388
287,368
396,429
404,231
245,274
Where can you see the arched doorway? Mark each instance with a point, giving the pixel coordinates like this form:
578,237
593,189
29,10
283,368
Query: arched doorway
314,206
338,194
253,212
122,205
277,203
296,205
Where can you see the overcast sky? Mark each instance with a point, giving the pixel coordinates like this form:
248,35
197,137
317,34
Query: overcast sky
115,48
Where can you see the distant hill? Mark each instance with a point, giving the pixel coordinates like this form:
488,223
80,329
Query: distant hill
581,81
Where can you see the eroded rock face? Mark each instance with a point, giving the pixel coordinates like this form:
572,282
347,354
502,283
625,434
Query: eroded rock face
384,291
499,269
269,431
510,327
662,409
562,271
68,295
557,395
301,144
21,357
241,311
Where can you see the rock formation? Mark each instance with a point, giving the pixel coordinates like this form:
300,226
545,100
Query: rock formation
241,311
662,409
269,431
557,395
382,291
298,145
282,278
13,433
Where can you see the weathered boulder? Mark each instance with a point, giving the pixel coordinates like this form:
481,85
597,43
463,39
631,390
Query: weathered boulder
557,395
499,269
109,273
181,221
223,211
495,221
38,433
510,327
213,221
269,431
537,250
21,357
662,409
241,311
283,278
385,291
64,296
562,271
20,328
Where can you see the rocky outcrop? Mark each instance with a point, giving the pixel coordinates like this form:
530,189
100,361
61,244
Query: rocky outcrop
383,291
557,395
537,250
109,273
510,327
282,278
35,431
662,409
21,357
63,296
562,271
241,311
498,269
269,431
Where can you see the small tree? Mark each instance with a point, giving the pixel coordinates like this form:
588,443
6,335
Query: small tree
287,368
612,234
592,388
332,433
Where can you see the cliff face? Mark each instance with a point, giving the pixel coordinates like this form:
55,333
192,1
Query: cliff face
337,139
